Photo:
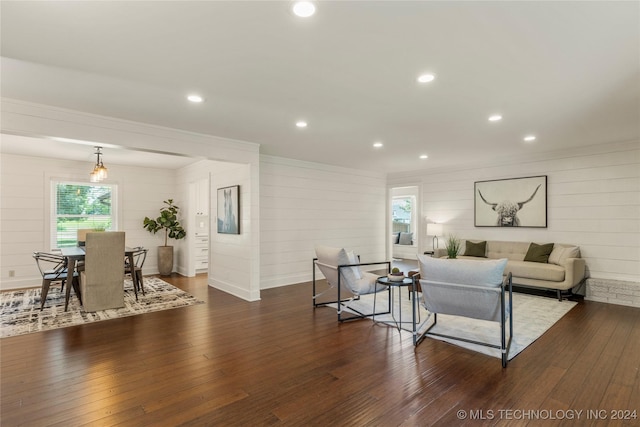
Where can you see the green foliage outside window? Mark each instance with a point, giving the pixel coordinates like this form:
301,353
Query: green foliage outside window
81,206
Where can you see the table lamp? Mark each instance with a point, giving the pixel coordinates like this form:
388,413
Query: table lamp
434,230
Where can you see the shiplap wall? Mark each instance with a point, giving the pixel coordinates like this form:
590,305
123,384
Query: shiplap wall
24,209
305,204
233,256
593,201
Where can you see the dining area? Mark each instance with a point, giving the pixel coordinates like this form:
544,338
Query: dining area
95,269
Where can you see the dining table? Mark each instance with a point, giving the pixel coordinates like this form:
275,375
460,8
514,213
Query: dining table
73,254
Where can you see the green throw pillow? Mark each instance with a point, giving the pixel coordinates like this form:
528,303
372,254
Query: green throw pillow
539,253
478,249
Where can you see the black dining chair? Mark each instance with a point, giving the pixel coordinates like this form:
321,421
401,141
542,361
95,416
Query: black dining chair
139,257
53,268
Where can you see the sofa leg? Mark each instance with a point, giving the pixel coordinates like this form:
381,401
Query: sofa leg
559,295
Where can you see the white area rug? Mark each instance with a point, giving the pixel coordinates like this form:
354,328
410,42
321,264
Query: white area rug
533,316
20,310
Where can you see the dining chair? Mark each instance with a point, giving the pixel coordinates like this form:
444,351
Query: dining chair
53,268
139,257
82,235
102,281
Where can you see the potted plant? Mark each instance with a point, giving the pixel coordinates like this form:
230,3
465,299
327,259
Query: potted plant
453,246
167,221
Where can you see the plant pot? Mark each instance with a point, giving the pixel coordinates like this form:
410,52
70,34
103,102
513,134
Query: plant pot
165,260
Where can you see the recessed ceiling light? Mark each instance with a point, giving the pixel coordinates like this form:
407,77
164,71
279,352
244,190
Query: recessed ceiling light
377,145
495,118
424,156
529,138
195,98
426,78
304,9
301,124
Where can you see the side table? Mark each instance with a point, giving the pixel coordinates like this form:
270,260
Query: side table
409,283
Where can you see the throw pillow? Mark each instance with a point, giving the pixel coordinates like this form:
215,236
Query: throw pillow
335,257
406,239
395,238
486,273
559,254
353,259
539,253
478,249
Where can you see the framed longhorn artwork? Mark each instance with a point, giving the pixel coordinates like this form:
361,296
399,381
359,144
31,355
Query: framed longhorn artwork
515,202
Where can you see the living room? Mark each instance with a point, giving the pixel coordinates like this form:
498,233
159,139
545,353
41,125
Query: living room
331,188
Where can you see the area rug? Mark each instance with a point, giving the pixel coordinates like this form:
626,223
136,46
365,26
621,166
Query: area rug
532,317
20,310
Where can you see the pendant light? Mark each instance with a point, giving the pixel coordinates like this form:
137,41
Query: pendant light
99,172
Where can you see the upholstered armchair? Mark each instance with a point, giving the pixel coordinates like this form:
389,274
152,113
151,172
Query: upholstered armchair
102,281
468,288
342,270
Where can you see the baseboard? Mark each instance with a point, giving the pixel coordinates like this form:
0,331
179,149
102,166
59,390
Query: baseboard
235,290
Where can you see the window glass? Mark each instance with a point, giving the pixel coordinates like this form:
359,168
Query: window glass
403,214
80,206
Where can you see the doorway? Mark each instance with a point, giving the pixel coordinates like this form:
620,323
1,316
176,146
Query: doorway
404,222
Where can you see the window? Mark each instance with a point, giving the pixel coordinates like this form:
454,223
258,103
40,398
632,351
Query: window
403,214
80,205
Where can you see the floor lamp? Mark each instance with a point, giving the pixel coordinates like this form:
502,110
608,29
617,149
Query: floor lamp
434,230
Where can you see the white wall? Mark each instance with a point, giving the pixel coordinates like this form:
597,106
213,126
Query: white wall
593,201
305,204
25,200
234,258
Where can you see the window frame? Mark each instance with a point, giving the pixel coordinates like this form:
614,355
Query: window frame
53,211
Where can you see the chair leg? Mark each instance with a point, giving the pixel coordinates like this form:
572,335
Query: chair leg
76,288
140,281
46,284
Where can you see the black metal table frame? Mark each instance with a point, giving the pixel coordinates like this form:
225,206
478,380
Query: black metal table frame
410,283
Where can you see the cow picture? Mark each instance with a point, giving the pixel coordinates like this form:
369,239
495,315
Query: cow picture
518,202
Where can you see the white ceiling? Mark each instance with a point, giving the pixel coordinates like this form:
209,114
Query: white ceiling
568,72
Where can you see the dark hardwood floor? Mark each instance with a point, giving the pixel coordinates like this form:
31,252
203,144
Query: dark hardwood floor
278,361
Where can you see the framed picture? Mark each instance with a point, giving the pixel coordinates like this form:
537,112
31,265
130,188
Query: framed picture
516,202
229,210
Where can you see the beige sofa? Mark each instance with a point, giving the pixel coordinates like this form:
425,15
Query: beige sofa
563,271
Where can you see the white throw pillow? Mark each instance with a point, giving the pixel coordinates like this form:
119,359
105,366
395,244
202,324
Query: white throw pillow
462,271
406,239
353,259
559,254
338,256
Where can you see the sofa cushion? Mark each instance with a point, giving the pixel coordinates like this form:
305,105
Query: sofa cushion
559,254
511,250
395,237
484,273
406,239
535,270
477,249
539,253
